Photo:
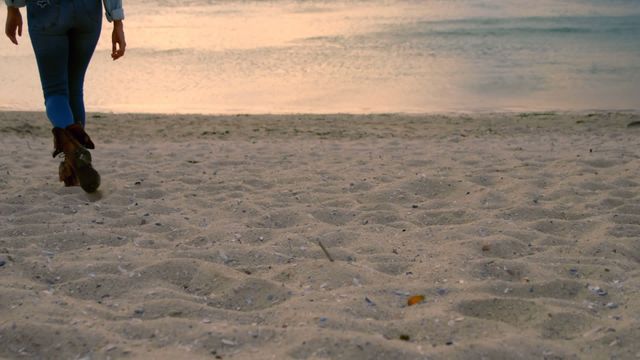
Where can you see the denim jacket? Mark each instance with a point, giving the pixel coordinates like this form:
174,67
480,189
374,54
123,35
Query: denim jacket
112,8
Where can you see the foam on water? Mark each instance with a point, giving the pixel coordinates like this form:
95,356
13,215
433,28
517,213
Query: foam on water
358,56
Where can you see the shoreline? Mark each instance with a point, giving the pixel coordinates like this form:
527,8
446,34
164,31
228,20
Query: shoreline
420,125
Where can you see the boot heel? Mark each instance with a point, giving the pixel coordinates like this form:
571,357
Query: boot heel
67,175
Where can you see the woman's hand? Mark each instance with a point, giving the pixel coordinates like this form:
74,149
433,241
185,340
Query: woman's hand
14,22
117,40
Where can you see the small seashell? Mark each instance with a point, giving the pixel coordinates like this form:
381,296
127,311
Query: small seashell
229,342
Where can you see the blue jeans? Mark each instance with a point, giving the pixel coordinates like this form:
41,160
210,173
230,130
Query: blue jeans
64,34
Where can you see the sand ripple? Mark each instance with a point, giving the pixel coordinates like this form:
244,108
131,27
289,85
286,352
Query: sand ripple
521,233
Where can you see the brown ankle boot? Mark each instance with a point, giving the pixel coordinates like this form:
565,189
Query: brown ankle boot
65,170
76,167
78,133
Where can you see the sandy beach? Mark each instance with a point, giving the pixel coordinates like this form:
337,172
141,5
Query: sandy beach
521,231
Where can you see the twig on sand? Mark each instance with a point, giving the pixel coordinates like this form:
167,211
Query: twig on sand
324,249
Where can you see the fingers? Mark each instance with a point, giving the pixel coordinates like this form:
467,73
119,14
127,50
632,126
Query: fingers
12,37
118,48
10,31
118,51
121,48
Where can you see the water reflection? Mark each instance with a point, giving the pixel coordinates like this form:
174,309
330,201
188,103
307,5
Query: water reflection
366,56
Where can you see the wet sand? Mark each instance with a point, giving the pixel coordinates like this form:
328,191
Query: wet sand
521,231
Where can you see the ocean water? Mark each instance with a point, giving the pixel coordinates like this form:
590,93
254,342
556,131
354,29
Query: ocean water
358,56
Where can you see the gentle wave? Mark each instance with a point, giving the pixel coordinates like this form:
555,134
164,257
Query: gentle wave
530,25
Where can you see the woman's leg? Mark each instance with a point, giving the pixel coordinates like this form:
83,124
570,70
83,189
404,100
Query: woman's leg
52,56
82,43
64,36
48,25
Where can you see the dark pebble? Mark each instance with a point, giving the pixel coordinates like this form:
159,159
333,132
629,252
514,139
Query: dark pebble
2,263
405,337
441,291
138,312
449,343
369,301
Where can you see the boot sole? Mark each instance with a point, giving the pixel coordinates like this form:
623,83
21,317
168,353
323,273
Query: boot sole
87,176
